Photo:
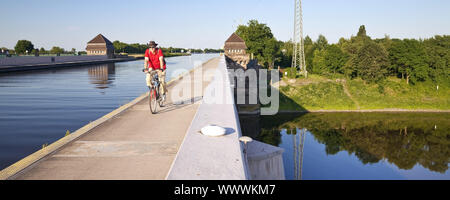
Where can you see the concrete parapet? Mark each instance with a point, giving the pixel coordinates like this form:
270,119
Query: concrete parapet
31,60
213,158
265,161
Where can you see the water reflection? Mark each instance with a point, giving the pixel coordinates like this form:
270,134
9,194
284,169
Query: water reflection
298,143
102,76
404,140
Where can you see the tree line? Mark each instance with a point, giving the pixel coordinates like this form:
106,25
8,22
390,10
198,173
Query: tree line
136,48
27,47
359,56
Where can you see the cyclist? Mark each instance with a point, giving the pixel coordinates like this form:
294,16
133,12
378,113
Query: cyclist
154,60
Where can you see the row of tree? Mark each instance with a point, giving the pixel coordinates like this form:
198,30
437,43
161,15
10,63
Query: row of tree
121,47
27,47
373,60
360,56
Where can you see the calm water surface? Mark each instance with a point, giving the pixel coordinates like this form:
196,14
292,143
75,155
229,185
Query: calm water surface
38,107
393,146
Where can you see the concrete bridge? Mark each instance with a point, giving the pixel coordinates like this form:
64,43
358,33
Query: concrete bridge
132,144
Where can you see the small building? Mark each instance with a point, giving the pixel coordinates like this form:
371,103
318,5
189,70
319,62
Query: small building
236,50
100,45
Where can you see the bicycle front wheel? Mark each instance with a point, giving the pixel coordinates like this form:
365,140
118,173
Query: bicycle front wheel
153,101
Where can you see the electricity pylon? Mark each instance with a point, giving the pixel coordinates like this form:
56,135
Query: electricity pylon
298,59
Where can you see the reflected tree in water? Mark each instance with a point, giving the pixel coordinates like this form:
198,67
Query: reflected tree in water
405,139
270,136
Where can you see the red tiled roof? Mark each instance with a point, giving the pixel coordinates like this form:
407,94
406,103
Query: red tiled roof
235,42
234,38
100,39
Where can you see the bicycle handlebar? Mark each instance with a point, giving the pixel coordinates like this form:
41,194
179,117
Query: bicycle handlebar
144,70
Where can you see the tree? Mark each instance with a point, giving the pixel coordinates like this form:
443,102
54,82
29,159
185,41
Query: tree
56,50
362,31
35,51
352,47
119,46
335,59
409,59
371,62
437,49
256,37
23,46
42,50
319,64
321,42
329,61
287,50
309,53
271,52
308,40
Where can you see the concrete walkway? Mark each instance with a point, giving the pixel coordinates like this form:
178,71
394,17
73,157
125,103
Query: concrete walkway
134,145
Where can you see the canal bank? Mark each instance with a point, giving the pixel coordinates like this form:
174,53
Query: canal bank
53,63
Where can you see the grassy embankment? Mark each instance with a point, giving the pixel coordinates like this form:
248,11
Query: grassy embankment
319,93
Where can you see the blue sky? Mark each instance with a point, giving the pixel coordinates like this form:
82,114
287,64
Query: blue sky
208,23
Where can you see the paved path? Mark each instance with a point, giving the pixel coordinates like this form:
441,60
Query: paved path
133,145
347,92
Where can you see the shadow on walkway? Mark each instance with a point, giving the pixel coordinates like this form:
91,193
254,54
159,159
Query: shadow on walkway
179,104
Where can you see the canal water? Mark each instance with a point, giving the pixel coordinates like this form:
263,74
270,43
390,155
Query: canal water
38,107
353,146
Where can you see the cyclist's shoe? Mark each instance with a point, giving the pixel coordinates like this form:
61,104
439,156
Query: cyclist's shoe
163,98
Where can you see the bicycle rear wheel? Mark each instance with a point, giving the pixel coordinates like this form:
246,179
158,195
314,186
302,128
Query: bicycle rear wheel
153,101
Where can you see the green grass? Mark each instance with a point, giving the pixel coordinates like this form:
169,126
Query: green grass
315,96
397,94
318,93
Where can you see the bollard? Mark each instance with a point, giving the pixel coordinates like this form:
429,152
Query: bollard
245,140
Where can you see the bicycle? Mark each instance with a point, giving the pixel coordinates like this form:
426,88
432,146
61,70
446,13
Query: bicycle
155,97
